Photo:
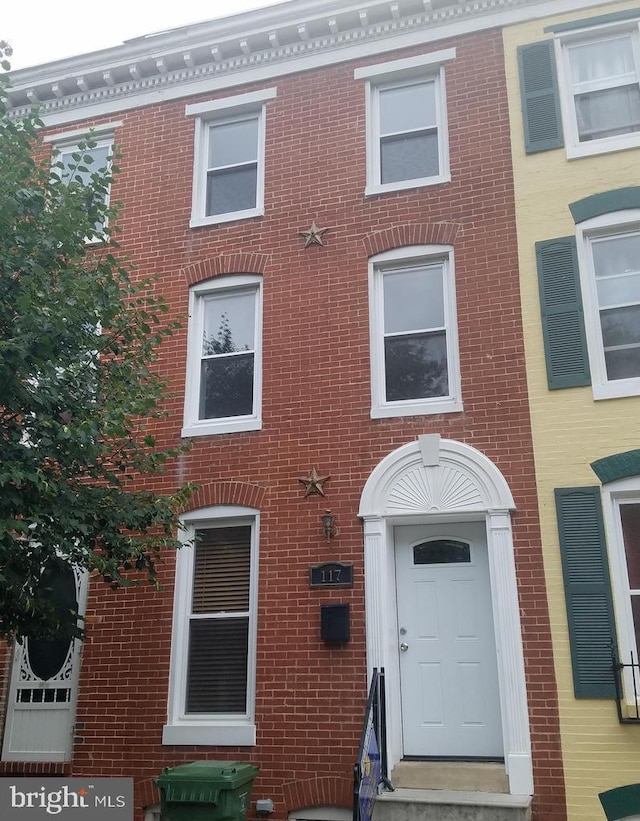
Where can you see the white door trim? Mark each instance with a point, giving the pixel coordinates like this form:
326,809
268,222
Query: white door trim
429,480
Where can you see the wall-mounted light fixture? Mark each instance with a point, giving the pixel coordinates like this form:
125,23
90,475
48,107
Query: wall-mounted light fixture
328,525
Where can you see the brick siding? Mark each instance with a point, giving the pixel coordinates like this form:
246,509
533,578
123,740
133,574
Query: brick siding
316,412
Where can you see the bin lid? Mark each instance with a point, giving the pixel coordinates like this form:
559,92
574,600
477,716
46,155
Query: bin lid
200,782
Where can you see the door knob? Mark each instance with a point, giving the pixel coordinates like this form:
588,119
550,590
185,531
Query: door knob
404,647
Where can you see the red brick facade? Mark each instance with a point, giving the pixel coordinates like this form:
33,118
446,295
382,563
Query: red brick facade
316,412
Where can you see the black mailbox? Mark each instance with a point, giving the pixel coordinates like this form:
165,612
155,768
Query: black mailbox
334,622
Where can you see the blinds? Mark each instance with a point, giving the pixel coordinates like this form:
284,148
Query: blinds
217,673
219,626
221,570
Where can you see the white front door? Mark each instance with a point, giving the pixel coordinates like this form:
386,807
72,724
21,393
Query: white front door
448,671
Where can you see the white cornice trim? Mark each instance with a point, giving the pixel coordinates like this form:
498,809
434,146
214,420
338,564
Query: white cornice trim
253,47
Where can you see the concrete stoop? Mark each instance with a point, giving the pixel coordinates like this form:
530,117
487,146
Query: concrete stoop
467,776
450,805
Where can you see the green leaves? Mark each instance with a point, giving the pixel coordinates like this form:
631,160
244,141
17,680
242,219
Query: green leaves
79,336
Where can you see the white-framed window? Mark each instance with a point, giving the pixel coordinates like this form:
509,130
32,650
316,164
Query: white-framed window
213,652
600,82
609,262
413,330
229,151
80,164
224,356
407,139
621,508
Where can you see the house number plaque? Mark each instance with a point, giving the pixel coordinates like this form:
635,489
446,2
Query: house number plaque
331,574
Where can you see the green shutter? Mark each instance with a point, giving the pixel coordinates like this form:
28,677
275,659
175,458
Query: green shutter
587,590
539,95
565,343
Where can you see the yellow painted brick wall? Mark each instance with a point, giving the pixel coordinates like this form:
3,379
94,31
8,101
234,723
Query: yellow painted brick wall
570,429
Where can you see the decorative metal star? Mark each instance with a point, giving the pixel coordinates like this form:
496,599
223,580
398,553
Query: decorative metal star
313,483
313,236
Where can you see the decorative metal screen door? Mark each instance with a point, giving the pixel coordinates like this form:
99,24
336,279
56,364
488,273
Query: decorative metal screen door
43,690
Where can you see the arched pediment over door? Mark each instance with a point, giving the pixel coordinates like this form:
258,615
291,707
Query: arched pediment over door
433,475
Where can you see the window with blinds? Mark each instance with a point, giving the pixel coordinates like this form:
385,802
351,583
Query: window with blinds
219,621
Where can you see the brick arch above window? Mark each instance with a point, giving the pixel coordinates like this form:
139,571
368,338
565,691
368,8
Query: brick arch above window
428,233
606,202
618,466
225,264
320,790
244,494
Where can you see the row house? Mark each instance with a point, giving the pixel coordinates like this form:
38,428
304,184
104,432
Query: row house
574,74
330,199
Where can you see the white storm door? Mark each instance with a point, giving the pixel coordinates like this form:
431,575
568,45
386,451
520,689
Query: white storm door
448,670
41,705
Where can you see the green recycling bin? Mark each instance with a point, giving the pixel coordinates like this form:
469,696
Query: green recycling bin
206,791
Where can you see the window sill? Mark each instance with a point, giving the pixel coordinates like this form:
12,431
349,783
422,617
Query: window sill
27,757
605,146
617,390
423,182
630,710
97,239
217,219
417,408
212,734
224,426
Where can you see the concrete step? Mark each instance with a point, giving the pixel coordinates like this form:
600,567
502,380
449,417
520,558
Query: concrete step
470,776
450,805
